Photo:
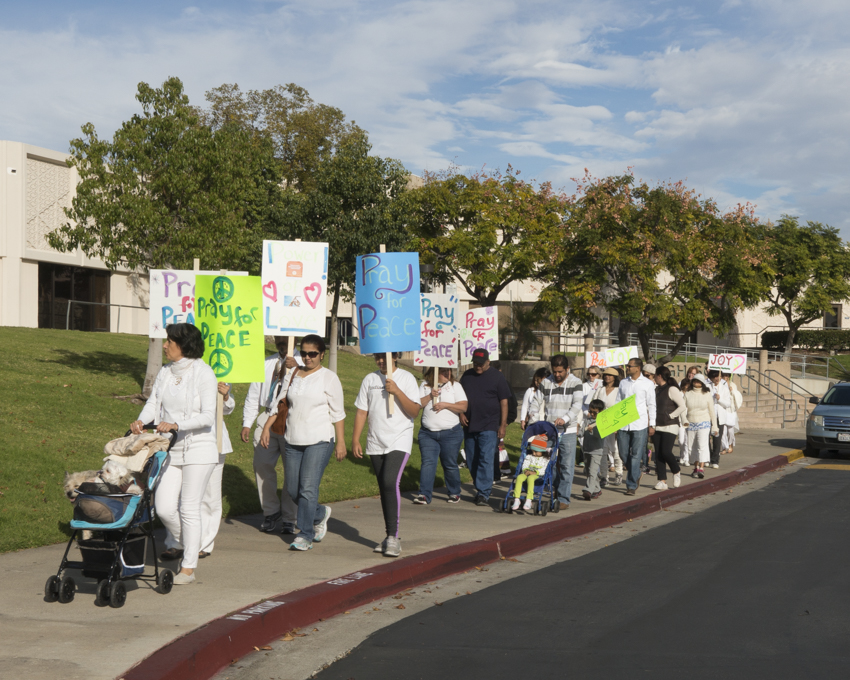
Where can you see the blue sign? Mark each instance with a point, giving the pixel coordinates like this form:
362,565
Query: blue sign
387,297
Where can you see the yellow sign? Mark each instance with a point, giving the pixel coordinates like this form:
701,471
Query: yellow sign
616,417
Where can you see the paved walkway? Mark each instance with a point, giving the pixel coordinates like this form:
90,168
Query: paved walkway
78,640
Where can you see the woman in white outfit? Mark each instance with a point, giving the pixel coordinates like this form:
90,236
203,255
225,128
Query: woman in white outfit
608,394
183,402
722,404
735,402
526,416
211,502
701,420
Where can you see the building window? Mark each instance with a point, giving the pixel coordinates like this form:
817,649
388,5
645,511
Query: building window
58,285
831,319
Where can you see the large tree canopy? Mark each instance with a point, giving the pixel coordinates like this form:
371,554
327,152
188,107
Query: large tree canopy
486,230
660,259
812,268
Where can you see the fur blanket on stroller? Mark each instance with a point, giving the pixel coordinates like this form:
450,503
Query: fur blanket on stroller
134,450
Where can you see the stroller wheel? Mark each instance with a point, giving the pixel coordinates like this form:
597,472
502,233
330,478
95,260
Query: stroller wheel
101,594
51,589
165,581
67,590
544,507
117,595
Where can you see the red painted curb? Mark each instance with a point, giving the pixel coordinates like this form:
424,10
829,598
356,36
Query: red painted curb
203,652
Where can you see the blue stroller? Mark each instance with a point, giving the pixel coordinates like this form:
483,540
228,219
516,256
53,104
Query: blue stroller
116,552
544,486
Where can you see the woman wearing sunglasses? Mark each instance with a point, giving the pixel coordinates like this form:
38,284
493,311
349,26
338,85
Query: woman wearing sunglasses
314,430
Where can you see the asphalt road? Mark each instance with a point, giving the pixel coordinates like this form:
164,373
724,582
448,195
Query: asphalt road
756,587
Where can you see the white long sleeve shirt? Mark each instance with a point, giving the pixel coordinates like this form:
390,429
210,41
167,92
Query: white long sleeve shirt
264,395
723,402
644,389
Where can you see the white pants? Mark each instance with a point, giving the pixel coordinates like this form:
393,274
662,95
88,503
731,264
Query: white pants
609,446
698,448
265,471
178,505
211,507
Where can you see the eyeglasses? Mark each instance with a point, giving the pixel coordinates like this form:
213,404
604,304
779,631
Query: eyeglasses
312,355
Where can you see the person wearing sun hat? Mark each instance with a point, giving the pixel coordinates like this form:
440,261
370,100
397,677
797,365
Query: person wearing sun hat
608,395
700,420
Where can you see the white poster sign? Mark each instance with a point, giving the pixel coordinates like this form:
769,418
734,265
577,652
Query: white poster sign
727,363
172,297
438,328
613,356
480,329
295,287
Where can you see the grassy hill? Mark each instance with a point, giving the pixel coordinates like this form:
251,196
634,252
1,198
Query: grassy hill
59,409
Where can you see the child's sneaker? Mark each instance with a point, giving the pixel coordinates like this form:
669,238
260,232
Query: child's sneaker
527,505
517,503
587,495
661,486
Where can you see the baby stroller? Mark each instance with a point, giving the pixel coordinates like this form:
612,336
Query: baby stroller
116,551
544,486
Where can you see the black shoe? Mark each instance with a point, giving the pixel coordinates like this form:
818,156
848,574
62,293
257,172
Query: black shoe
631,492
269,522
480,500
603,483
171,554
586,494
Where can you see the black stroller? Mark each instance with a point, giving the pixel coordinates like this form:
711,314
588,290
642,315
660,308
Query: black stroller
116,552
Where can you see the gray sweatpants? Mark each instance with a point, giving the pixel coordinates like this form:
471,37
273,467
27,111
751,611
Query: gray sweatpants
593,467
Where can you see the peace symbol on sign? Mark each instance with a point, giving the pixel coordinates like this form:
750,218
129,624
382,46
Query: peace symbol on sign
221,362
222,288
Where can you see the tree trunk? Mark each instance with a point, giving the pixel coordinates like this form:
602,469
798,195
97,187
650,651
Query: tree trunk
154,365
789,342
643,339
622,334
334,339
673,352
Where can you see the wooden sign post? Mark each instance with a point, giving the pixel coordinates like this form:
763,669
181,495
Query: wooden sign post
389,361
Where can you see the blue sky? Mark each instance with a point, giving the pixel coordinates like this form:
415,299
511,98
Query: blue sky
745,100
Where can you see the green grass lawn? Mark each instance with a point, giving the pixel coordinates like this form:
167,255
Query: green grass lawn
59,409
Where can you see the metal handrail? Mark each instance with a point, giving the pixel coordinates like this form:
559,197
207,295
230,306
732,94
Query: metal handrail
792,386
102,304
762,384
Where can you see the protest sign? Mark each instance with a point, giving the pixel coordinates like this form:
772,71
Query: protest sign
387,299
438,331
480,329
616,417
727,363
295,278
172,298
228,314
613,356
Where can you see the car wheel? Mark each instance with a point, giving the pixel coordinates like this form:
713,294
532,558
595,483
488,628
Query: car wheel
811,451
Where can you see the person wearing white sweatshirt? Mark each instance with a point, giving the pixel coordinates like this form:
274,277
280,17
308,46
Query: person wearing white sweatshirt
722,406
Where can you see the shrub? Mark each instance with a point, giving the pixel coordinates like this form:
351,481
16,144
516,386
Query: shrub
811,339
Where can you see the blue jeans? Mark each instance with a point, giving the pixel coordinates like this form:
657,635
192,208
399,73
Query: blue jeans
480,452
304,467
632,445
443,445
566,467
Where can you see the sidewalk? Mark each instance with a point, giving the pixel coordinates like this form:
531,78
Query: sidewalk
78,640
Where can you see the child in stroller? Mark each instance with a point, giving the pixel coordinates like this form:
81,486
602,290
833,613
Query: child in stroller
536,469
535,464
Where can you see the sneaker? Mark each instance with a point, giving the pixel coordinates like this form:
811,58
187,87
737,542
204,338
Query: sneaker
700,473
661,486
480,500
527,505
288,528
393,547
715,466
453,499
301,543
269,522
420,500
182,579
618,480
695,474
603,483
505,474
517,503
320,529
382,546
580,464
677,480
631,492
586,494
596,495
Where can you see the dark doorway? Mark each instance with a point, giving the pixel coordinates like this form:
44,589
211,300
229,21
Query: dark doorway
57,284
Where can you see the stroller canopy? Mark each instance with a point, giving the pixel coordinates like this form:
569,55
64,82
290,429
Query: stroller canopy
540,427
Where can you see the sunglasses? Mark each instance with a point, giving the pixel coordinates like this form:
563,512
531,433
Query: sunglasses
312,355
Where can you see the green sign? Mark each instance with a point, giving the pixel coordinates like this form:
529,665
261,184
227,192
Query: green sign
616,417
228,312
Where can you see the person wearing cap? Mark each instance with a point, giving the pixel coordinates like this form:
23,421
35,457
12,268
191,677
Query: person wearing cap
561,394
260,403
632,439
485,421
608,395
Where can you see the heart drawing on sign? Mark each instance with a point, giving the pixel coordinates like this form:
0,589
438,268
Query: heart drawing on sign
270,291
317,289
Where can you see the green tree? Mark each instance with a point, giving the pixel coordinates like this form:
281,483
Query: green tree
812,267
304,133
356,204
167,189
486,231
658,258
